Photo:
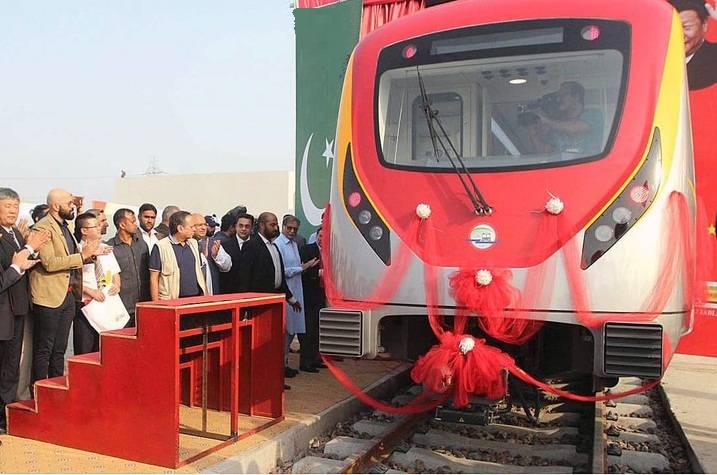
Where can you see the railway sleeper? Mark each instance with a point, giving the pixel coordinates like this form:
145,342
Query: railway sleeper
632,410
504,431
560,454
640,462
424,460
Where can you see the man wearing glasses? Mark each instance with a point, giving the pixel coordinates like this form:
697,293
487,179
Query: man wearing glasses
100,276
174,264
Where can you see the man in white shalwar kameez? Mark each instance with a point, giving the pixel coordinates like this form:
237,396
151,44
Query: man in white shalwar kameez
295,323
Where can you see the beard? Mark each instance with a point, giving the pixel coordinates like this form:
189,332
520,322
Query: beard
67,214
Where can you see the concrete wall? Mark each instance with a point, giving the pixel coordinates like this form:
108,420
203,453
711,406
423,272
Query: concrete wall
211,193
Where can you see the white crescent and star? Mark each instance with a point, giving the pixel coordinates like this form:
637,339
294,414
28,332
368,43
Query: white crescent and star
311,211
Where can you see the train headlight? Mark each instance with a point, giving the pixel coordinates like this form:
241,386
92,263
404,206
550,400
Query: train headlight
627,208
621,215
364,216
376,233
604,233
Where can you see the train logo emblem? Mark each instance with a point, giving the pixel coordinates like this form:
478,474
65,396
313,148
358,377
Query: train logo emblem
483,236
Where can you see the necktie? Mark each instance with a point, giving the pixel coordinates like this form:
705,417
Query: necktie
14,238
100,274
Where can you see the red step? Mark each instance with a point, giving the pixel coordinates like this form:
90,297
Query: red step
28,405
122,332
60,382
88,358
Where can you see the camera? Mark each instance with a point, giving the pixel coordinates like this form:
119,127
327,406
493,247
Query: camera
548,104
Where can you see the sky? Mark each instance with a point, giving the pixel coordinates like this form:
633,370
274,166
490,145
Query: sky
92,87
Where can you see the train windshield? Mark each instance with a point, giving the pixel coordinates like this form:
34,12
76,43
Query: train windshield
518,99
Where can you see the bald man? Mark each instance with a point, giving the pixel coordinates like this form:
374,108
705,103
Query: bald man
56,284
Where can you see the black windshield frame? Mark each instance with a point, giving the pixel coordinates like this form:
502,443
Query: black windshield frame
615,35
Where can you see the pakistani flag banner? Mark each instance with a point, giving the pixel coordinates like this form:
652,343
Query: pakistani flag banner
325,38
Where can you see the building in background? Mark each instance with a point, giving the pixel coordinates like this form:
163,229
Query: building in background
212,193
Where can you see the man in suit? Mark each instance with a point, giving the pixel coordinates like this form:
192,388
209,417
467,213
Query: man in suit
213,256
15,259
56,285
700,54
314,300
230,281
262,268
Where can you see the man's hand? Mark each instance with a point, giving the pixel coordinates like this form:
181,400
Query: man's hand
296,306
22,260
24,228
309,264
114,289
98,295
215,248
37,238
104,250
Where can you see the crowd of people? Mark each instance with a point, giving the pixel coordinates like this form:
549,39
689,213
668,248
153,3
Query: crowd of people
52,270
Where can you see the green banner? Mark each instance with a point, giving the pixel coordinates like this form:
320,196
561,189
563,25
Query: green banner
325,38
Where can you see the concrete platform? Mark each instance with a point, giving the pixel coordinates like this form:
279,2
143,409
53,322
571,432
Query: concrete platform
690,387
314,405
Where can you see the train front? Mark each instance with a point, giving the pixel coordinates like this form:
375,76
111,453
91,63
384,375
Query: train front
538,147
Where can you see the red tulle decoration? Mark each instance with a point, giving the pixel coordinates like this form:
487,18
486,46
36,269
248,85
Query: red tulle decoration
484,300
445,369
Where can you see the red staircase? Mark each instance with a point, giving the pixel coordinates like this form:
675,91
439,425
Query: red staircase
124,400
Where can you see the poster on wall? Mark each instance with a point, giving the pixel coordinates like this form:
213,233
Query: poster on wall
699,23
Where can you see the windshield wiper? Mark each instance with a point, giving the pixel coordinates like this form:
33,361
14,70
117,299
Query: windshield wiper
480,205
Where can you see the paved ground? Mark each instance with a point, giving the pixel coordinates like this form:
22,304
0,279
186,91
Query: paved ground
691,388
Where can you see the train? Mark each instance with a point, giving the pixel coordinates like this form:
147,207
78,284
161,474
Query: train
483,110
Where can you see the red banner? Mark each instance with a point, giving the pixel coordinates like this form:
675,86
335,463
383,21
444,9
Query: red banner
702,76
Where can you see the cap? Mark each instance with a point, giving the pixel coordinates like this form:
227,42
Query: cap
211,222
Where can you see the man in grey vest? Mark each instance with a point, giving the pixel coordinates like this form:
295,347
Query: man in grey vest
174,264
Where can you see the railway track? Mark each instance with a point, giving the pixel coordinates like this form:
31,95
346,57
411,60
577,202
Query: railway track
633,435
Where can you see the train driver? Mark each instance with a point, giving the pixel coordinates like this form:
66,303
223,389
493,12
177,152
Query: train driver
563,124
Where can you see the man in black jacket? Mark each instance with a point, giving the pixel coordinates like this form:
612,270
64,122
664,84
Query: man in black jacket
700,54
262,269
15,259
314,300
234,246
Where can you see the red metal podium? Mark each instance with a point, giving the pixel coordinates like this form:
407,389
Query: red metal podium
215,358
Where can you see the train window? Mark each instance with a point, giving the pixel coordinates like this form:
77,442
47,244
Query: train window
449,106
501,112
504,97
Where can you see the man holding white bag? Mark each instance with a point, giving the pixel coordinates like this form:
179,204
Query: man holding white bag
100,289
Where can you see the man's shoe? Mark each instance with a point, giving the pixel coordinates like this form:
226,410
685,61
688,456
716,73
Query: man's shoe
290,372
286,387
308,369
3,430
320,365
